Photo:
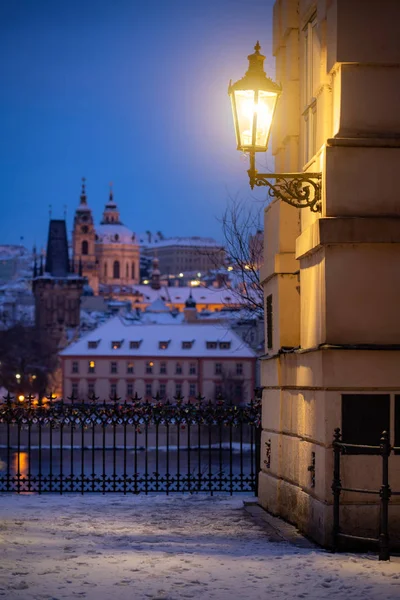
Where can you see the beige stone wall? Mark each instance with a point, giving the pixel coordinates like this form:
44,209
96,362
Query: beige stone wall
126,254
347,258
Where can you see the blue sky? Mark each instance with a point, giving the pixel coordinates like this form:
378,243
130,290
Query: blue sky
124,91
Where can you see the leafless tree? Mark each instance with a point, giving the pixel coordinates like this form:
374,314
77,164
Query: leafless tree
27,360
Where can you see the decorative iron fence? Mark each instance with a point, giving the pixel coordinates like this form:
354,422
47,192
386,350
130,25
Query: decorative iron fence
129,447
385,492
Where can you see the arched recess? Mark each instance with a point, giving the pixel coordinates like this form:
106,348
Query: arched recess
116,274
85,247
127,270
133,271
105,270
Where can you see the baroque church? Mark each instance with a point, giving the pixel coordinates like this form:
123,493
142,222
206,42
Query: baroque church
108,253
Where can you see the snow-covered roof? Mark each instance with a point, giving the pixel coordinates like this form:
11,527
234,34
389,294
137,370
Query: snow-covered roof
204,337
111,233
179,295
158,306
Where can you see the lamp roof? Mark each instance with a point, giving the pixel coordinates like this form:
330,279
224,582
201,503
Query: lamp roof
255,77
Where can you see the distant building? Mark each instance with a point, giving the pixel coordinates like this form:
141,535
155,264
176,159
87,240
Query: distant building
109,252
181,254
123,358
56,288
15,261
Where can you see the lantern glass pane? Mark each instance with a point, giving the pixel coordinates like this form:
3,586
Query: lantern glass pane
265,111
244,100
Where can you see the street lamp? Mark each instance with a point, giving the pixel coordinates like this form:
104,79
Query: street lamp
254,99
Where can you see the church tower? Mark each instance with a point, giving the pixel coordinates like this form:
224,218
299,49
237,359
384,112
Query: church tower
56,289
83,241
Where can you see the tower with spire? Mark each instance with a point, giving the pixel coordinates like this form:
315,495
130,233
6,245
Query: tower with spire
84,241
56,289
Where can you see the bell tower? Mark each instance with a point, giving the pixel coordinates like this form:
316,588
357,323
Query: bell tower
83,241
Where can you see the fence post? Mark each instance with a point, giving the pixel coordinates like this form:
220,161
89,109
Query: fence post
385,493
336,488
258,456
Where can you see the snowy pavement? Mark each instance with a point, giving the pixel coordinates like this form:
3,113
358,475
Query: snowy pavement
168,547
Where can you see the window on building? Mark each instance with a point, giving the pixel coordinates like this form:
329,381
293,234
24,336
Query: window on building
364,418
163,368
239,369
192,369
164,345
218,368
178,369
75,367
311,79
178,390
268,303
129,389
105,269
134,344
91,366
133,271
149,367
238,392
211,345
130,367
224,345
116,273
218,390
93,344
192,390
74,390
85,247
114,367
113,390
116,345
149,391
91,390
127,271
187,345
163,390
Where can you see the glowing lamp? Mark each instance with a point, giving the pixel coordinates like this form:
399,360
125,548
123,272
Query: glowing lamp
254,99
21,398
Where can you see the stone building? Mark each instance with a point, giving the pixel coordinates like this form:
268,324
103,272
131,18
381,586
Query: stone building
56,287
124,358
181,254
331,278
108,252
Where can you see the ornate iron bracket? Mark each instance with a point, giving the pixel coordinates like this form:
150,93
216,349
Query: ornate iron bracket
300,190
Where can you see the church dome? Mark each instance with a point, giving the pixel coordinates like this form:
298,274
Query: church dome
112,233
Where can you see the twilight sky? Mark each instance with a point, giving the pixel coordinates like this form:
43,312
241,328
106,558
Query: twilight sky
129,91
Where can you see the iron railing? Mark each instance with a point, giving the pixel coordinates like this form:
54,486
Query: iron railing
129,446
384,493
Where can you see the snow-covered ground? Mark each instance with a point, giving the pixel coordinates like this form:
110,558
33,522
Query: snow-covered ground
168,547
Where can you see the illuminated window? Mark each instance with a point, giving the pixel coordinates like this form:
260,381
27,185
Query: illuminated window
149,367
163,345
92,366
130,367
116,345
